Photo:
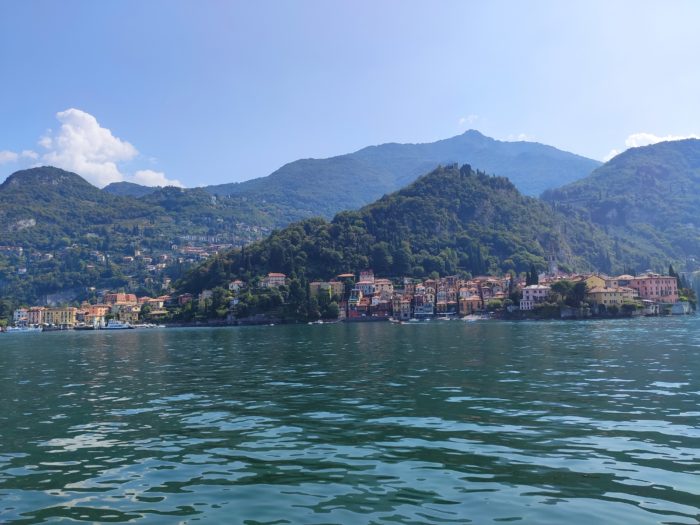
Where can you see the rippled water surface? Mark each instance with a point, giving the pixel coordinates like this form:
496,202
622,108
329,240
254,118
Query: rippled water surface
452,422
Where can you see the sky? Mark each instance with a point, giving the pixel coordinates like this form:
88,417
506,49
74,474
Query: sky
207,92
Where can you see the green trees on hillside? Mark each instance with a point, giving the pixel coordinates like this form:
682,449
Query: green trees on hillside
646,199
453,220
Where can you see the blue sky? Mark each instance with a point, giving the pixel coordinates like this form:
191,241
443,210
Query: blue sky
206,92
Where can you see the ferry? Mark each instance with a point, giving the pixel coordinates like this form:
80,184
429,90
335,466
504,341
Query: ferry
23,329
117,325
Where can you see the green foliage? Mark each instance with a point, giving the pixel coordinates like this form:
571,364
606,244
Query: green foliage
532,276
60,221
628,308
647,200
569,293
494,304
450,221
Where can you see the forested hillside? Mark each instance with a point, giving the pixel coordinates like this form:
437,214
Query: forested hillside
453,220
648,197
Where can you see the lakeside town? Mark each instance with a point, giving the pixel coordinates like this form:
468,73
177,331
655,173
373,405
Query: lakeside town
366,297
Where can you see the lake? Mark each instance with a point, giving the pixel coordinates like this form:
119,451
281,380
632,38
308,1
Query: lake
439,422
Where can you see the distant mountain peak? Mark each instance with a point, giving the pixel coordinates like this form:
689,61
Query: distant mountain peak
43,176
476,134
129,189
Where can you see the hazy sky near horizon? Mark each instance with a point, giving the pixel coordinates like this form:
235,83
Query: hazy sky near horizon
207,92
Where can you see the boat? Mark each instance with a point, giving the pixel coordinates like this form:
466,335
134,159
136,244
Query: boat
117,325
23,329
475,317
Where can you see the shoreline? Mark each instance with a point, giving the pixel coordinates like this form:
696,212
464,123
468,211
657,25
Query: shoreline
412,321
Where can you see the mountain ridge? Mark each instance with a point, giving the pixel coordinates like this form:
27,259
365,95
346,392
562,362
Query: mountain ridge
129,189
648,195
352,180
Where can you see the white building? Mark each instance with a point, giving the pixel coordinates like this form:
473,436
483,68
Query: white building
235,286
19,316
532,295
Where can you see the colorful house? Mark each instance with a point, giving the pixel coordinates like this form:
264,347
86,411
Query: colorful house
655,287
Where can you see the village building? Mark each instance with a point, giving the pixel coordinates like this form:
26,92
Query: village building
121,298
655,287
274,280
235,286
184,299
331,288
127,313
383,286
61,317
532,295
20,317
203,297
35,315
610,296
470,305
422,307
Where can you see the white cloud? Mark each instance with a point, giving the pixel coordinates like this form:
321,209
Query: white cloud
82,145
8,156
154,178
520,137
636,140
613,153
29,154
468,120
645,139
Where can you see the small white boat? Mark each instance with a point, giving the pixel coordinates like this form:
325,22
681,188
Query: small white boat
117,325
475,317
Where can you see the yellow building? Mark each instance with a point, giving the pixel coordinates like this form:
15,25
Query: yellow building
128,314
331,288
610,296
469,305
61,316
595,281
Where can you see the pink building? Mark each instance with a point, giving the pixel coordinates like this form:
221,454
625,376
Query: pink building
35,315
655,287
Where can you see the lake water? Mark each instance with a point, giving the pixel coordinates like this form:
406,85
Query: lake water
441,422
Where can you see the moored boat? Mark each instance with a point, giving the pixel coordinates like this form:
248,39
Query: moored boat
23,329
117,325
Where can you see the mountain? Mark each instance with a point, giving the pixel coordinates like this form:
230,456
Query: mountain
311,187
648,196
43,205
58,232
449,221
129,189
